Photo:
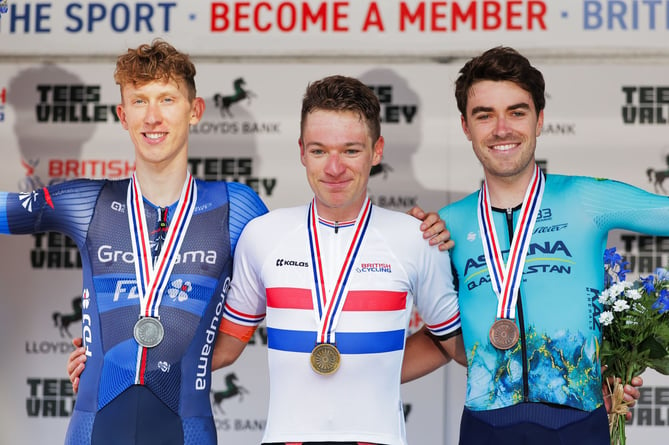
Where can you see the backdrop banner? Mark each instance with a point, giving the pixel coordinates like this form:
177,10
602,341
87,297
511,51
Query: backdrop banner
58,122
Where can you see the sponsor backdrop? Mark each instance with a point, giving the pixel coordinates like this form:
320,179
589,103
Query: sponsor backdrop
606,65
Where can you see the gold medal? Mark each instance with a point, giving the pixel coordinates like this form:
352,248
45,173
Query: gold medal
325,358
504,333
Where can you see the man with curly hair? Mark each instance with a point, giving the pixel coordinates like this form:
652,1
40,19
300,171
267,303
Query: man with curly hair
144,241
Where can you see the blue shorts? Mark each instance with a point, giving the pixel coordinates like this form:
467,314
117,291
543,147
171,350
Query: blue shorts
534,423
117,423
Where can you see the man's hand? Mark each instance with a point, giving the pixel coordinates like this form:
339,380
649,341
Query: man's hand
75,363
433,228
630,396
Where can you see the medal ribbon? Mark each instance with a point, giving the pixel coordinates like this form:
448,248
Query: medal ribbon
505,278
328,310
152,278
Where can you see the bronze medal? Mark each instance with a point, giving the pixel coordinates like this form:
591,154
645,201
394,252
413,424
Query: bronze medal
148,332
325,359
504,333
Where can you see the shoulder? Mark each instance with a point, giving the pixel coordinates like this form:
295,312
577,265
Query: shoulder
576,184
82,187
282,217
464,205
243,200
265,231
399,231
394,219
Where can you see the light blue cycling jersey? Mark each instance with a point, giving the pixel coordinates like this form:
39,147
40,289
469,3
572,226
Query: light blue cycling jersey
556,359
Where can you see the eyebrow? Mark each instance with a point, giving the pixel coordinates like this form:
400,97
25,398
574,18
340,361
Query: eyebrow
518,106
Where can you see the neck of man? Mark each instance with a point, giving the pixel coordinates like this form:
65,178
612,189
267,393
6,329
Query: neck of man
507,192
161,186
334,214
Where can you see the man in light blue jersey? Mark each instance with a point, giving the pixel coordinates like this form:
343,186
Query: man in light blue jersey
528,258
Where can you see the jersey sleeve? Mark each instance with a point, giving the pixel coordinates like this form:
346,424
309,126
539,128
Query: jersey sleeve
245,204
246,302
430,276
66,207
436,297
616,205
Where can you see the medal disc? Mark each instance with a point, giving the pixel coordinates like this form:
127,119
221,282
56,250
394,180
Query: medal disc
504,334
148,332
325,358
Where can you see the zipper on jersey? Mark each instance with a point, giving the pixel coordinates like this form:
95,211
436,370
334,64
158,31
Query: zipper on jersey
519,315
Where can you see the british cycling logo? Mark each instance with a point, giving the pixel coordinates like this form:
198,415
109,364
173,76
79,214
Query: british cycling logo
223,103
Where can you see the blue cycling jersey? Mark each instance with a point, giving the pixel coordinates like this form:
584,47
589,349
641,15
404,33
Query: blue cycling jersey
556,360
129,394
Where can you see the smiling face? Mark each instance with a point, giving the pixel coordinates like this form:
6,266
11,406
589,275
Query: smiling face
158,115
338,152
502,123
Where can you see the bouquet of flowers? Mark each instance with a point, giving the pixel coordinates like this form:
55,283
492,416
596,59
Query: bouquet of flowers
635,328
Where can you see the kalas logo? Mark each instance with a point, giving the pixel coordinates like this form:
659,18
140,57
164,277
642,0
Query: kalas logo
224,102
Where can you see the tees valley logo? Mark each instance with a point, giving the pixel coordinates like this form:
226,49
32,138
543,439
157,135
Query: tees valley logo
223,103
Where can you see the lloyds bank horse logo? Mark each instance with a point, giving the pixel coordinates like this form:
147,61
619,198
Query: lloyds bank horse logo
232,389
657,177
63,321
241,93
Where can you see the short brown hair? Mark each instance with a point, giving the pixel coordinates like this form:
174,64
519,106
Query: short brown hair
341,93
499,64
157,61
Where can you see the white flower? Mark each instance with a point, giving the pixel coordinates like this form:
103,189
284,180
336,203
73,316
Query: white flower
604,296
606,318
621,305
619,288
633,294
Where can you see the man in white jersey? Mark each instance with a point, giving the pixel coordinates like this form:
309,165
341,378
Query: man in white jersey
335,282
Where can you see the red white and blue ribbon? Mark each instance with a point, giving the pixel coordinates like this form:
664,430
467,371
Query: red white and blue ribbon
153,275
505,278
328,308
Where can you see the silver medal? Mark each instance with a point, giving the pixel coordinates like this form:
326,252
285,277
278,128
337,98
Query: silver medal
149,332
